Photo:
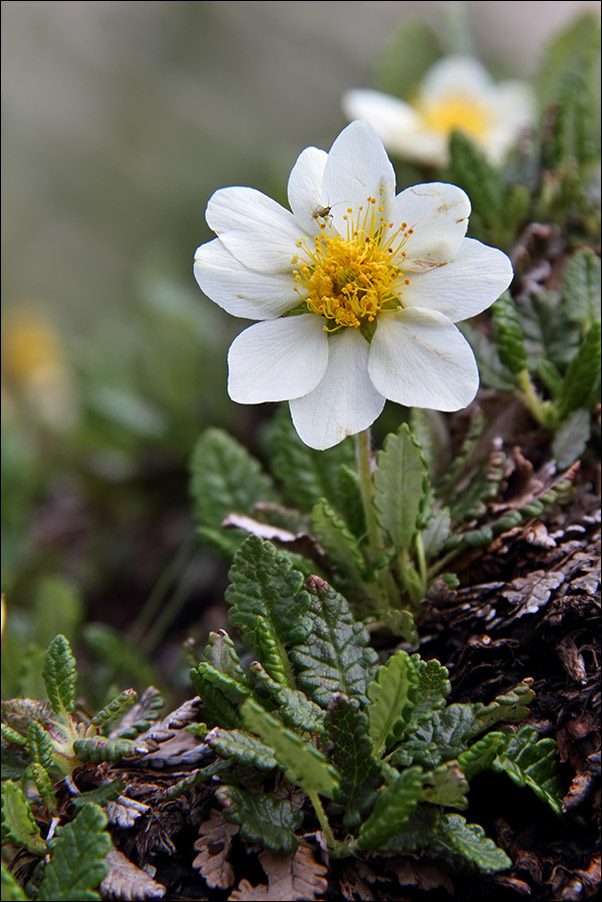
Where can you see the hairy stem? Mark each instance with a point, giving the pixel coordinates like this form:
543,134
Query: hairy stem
363,447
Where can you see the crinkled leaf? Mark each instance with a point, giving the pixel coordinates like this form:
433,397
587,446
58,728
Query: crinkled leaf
446,487
296,710
349,499
533,762
297,878
336,656
471,502
141,716
481,754
77,859
394,805
40,777
202,775
351,754
492,372
509,336
444,735
60,675
269,651
436,533
264,583
302,763
341,546
581,288
213,849
392,697
108,792
432,688
116,708
115,651
466,844
11,891
577,44
262,818
446,786
40,745
225,478
242,748
205,676
401,486
306,475
572,437
221,654
510,707
18,823
99,749
582,380
126,882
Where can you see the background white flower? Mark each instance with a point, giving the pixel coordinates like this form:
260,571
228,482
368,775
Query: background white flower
375,282
456,93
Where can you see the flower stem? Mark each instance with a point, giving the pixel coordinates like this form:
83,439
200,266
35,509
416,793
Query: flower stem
314,798
532,399
363,447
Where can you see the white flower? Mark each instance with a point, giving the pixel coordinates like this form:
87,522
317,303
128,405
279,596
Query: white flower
375,282
456,93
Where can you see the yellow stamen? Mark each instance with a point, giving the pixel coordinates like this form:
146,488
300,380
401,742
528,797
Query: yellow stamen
351,279
456,112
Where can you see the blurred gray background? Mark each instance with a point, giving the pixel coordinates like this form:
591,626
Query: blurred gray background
121,118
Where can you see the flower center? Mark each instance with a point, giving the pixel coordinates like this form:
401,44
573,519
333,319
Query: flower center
456,112
351,279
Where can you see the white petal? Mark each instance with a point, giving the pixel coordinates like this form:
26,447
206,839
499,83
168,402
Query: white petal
345,401
473,280
305,187
456,75
438,215
357,168
242,291
388,116
420,359
514,107
255,229
277,360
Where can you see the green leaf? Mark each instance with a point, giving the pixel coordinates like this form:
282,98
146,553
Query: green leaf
306,475
471,503
509,336
38,774
446,487
77,865
582,379
18,823
392,696
436,533
571,438
533,762
296,710
108,792
242,748
116,708
302,763
221,654
351,754
220,695
463,844
446,786
225,479
99,749
141,717
349,499
581,288
411,50
442,736
511,707
432,688
270,651
40,745
262,818
341,546
401,485
576,45
336,656
60,675
264,583
394,806
481,754
492,372
116,652
11,891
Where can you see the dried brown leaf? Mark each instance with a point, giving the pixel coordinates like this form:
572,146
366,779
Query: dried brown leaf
292,877
353,887
213,847
533,591
126,881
